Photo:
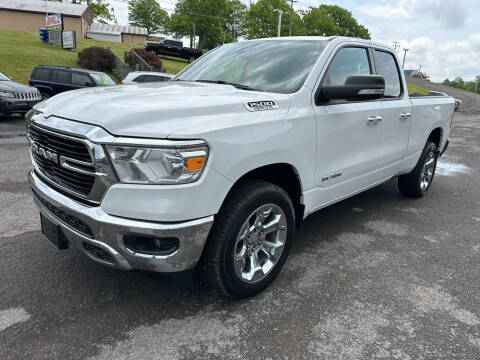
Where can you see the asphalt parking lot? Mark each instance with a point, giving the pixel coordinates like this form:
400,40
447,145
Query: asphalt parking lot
377,276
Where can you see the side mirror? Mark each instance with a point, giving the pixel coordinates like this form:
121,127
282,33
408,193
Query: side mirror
357,87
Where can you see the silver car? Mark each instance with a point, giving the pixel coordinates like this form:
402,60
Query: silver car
146,76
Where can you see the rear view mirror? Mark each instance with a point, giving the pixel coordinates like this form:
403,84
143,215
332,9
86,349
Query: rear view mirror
89,84
357,87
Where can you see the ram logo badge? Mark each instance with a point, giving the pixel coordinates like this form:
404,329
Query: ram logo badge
261,105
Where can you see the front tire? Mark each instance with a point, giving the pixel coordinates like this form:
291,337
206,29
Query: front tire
250,240
416,183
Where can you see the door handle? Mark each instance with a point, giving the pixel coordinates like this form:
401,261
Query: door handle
404,116
374,120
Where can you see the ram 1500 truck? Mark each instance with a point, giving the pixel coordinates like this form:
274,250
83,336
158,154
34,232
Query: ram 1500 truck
218,166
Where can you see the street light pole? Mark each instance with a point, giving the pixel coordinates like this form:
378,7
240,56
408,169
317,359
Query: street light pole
280,12
404,56
291,16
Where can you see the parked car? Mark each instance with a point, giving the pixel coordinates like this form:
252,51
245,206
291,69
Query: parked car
15,97
173,48
145,76
220,164
53,80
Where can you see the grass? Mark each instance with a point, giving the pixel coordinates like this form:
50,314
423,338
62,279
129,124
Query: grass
21,51
414,88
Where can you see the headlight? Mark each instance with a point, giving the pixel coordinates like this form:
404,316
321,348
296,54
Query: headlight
6,94
144,165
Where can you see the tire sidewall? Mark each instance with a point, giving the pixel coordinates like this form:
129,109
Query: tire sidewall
430,146
233,284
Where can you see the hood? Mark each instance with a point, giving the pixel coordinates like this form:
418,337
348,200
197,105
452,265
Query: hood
159,110
15,87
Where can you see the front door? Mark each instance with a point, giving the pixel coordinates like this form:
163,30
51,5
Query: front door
348,134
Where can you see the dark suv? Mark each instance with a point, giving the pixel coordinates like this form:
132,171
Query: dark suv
15,97
52,80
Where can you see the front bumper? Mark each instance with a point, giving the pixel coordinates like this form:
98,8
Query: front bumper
10,106
88,228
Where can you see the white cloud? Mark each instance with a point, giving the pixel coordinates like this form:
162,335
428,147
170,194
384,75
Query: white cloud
444,59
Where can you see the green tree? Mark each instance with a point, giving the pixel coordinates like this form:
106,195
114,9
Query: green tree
330,20
147,14
101,10
213,21
261,20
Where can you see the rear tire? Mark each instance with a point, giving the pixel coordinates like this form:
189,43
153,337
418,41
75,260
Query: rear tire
191,59
416,183
250,240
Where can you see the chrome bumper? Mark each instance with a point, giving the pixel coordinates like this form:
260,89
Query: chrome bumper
107,232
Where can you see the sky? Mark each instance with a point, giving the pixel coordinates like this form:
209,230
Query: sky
443,36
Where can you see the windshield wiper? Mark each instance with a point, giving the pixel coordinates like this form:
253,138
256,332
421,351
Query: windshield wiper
238,86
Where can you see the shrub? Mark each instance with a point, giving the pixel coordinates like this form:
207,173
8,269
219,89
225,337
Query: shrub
149,57
96,58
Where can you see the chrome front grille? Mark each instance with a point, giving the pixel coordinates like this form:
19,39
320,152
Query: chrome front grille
51,152
72,165
27,95
62,145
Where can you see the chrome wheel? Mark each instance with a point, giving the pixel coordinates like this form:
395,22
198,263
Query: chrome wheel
428,170
260,243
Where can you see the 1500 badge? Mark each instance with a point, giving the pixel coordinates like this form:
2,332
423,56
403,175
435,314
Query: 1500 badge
261,105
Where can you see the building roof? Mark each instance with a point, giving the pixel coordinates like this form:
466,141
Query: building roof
115,29
38,6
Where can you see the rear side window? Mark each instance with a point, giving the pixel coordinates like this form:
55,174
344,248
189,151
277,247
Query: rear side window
41,74
150,78
386,66
347,62
61,76
80,79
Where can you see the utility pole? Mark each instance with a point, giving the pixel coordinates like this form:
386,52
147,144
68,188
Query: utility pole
280,12
291,16
395,45
404,56
194,45
476,85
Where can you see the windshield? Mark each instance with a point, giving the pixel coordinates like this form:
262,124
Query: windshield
102,79
270,65
4,77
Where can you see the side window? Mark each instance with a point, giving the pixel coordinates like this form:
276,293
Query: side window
41,74
61,76
80,79
386,66
154,78
347,62
139,79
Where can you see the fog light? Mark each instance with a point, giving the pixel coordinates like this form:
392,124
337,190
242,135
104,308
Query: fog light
159,246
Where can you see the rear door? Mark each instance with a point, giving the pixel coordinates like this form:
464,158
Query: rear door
348,140
396,112
61,81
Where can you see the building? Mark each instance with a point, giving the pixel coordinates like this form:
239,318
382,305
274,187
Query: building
29,15
117,33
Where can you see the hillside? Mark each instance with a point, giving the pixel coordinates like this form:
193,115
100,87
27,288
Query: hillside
21,51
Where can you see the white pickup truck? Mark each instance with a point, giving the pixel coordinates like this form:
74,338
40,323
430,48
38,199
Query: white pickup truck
219,165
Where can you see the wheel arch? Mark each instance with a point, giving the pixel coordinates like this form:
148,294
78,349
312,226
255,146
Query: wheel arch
436,137
284,175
